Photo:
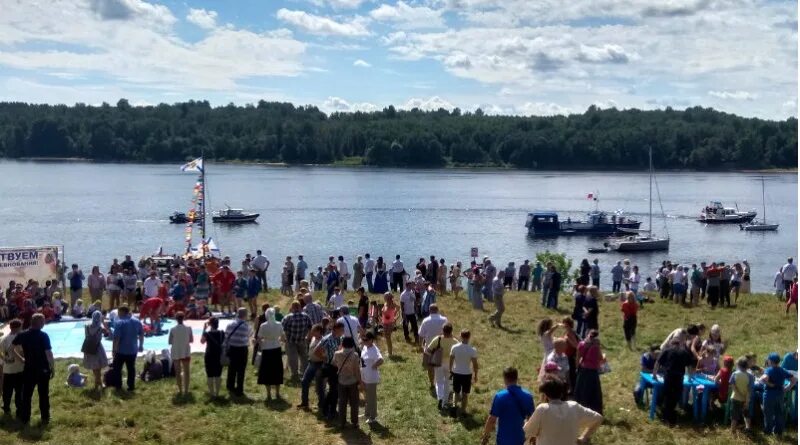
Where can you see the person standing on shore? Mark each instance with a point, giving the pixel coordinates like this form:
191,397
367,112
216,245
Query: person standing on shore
371,360
32,348
536,276
369,270
408,301
300,271
524,276
498,289
489,272
75,278
96,284
261,264
296,326
358,272
12,369
555,288
463,371
788,273
344,273
595,273
398,269
616,277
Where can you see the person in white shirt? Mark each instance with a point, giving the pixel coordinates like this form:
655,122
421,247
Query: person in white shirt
371,360
180,340
462,356
556,422
398,269
369,270
151,285
408,303
344,273
634,280
780,288
430,327
788,272
337,299
260,263
352,328
12,369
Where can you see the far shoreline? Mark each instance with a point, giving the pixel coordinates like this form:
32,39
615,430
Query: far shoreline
354,165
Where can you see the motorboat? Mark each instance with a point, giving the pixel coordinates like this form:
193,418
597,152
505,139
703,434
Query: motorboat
642,240
716,213
597,223
760,226
183,218
233,216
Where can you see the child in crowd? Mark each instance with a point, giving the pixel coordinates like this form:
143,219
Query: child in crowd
559,357
752,367
78,311
773,404
649,286
240,288
75,379
317,279
48,312
723,378
648,362
629,310
374,317
58,305
153,369
4,312
708,363
741,386
96,306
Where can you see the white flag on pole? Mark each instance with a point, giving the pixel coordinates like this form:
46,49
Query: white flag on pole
193,166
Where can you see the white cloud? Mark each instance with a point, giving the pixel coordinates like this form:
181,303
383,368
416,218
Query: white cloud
315,24
203,18
430,103
337,104
406,16
736,95
125,44
362,63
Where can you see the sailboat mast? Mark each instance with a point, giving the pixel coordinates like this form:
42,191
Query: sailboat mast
203,198
650,226
763,201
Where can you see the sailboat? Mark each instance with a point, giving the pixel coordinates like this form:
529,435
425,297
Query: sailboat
760,226
642,240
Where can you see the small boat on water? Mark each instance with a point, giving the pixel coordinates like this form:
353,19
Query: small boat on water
642,240
716,213
183,218
760,226
597,223
233,216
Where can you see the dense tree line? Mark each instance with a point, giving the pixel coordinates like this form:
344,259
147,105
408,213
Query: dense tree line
697,138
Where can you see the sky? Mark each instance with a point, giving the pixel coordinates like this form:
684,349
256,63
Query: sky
522,57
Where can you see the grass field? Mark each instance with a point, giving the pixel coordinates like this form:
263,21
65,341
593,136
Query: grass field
407,412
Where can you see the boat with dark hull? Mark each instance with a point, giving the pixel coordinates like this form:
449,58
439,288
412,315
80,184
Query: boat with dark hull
716,213
183,218
234,216
597,223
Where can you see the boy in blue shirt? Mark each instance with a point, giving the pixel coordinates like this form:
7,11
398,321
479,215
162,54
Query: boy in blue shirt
510,408
773,379
648,362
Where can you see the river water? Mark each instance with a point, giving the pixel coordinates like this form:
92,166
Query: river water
101,211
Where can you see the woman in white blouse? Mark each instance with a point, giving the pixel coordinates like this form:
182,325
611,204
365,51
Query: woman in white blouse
559,422
180,341
270,370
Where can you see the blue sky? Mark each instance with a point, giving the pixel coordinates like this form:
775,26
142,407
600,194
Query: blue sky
507,57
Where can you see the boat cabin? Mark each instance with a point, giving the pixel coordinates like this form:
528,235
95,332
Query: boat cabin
542,221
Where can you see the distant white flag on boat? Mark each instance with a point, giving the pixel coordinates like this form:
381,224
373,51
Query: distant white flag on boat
193,166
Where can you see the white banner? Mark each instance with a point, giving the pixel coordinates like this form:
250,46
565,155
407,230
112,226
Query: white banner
21,264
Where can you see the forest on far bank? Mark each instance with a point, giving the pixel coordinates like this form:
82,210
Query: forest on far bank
695,138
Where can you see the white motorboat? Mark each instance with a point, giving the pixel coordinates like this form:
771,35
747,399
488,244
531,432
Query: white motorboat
716,213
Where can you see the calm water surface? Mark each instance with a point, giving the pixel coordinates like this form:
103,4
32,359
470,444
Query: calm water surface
101,211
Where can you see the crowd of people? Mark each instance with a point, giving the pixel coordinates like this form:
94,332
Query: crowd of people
331,344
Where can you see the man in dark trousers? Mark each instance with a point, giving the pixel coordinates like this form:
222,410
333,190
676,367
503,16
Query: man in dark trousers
673,361
128,342
12,368
33,348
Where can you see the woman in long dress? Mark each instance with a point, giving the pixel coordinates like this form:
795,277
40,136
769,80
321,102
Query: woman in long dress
213,339
270,370
381,284
97,360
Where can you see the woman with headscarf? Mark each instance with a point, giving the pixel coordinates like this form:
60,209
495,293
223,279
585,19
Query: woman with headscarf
94,355
270,371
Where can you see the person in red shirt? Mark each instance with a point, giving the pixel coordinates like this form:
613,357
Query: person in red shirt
629,310
152,308
48,312
792,296
223,283
723,378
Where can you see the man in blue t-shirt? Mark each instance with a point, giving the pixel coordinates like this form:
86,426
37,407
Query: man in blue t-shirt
789,362
128,341
773,380
511,407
